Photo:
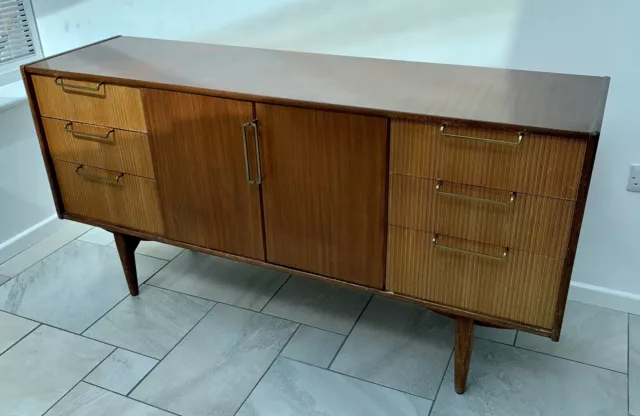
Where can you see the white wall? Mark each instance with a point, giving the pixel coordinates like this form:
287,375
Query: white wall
597,37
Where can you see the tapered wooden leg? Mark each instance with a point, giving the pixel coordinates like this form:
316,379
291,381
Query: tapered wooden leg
464,346
127,245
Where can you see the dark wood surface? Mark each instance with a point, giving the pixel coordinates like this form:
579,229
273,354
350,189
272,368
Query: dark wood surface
538,101
463,350
324,191
126,245
198,155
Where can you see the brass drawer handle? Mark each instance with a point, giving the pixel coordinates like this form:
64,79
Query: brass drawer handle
439,191
110,181
482,139
100,137
59,82
253,124
474,253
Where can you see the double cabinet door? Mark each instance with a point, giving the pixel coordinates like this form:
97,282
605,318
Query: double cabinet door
298,187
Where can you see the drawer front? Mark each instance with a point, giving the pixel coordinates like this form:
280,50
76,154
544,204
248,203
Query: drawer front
518,221
102,147
109,105
539,165
522,287
129,201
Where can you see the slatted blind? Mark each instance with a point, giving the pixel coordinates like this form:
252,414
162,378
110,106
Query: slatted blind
16,37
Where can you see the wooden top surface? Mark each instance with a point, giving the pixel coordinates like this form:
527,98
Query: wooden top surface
537,101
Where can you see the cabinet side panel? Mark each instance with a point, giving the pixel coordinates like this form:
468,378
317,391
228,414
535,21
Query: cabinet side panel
198,156
325,177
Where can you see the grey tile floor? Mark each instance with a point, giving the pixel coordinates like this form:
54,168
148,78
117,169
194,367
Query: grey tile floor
209,336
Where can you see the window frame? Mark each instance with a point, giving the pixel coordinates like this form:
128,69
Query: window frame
10,71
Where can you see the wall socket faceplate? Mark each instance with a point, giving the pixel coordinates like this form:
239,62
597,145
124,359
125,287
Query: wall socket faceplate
634,179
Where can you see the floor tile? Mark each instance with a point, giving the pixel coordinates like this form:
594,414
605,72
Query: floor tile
220,279
73,287
42,249
97,235
313,346
319,304
121,371
506,381
151,323
12,328
158,250
294,389
634,365
4,279
43,367
590,335
504,336
215,367
398,345
88,400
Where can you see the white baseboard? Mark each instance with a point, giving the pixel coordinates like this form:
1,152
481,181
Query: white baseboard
29,237
607,298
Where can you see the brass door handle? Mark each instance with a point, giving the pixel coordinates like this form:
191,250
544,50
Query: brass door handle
99,137
254,124
59,81
439,191
110,181
482,139
473,253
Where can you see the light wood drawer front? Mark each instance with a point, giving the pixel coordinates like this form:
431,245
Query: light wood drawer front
540,165
522,287
111,105
529,223
103,147
131,202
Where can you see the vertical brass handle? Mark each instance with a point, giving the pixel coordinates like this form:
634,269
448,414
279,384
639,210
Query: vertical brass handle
110,181
482,139
254,125
59,81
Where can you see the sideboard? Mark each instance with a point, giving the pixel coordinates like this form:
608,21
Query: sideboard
458,188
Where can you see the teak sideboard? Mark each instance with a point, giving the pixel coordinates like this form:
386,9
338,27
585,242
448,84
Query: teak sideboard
459,188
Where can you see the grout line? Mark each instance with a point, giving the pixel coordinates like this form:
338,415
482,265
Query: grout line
267,370
75,385
274,295
21,338
6,281
566,359
104,314
350,331
433,403
172,348
130,398
43,238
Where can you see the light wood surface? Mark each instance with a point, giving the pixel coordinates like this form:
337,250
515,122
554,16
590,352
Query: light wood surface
121,151
324,191
523,287
110,106
541,165
197,148
132,202
530,223
538,100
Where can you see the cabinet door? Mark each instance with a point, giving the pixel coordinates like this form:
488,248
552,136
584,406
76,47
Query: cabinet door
199,160
324,191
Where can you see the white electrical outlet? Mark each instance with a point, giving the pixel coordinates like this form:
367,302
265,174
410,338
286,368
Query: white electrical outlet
634,179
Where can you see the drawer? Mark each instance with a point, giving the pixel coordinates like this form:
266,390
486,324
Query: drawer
522,286
518,221
112,197
103,147
538,165
90,102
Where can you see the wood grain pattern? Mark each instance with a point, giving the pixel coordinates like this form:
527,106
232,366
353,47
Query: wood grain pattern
122,151
132,202
538,100
324,192
463,350
110,106
523,287
541,165
531,223
197,148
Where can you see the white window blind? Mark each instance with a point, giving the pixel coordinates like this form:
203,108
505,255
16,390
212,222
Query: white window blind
16,37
